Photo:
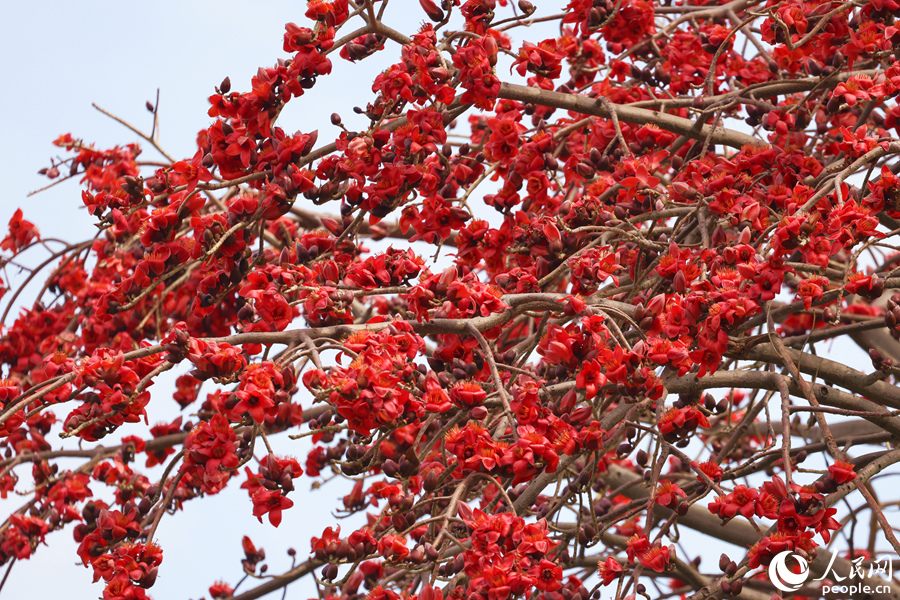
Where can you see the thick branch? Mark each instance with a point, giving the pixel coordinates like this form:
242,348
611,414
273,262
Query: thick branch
629,114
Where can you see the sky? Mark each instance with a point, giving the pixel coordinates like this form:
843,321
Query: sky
58,59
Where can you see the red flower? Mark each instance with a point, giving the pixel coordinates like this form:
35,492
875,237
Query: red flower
475,61
590,378
435,398
676,423
23,532
652,556
544,60
841,472
256,403
272,503
609,570
210,454
869,287
9,389
467,394
332,13
636,545
762,552
393,548
193,172
215,360
710,468
21,233
656,558
667,494
853,90
547,576
325,546
742,499
220,590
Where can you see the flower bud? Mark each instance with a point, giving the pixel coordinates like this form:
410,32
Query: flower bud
431,9
431,552
429,484
329,572
724,561
478,413
390,468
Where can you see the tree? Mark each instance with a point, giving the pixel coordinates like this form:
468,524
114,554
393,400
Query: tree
540,351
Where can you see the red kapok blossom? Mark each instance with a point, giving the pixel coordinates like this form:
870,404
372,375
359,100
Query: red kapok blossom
841,472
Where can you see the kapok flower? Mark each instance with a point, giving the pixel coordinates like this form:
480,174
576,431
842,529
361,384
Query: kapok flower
609,570
841,472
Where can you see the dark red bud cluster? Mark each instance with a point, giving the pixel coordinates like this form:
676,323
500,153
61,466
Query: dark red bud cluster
731,588
370,43
252,557
178,348
448,569
51,172
644,316
406,466
273,476
652,76
892,316
879,361
599,13
133,186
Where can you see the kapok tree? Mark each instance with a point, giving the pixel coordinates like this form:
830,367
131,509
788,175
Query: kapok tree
648,224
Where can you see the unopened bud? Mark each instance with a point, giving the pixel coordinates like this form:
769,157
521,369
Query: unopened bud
431,9
724,561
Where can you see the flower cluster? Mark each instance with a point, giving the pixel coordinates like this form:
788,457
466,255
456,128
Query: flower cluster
210,455
450,296
531,453
261,389
508,556
367,392
475,61
268,489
